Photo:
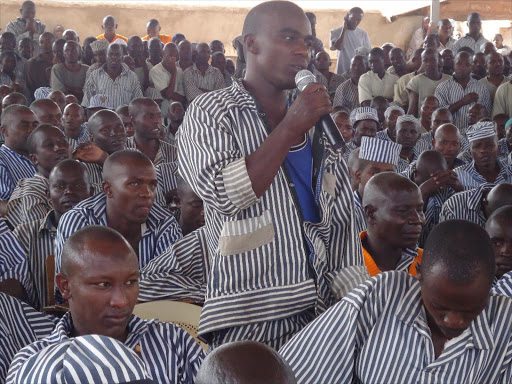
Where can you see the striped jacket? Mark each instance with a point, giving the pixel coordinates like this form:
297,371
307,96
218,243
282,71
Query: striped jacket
13,167
169,353
12,256
379,334
504,285
470,178
267,264
20,325
166,152
466,205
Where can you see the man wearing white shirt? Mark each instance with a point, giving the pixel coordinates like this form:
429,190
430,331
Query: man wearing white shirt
348,38
168,78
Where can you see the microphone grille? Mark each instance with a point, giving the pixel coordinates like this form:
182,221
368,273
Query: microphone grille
303,78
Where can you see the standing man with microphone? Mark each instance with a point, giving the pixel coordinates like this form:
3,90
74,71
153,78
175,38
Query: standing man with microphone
278,204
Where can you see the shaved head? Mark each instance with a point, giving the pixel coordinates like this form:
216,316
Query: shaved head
446,129
381,186
121,160
72,167
244,362
428,163
14,98
136,104
37,135
502,216
499,196
99,117
38,105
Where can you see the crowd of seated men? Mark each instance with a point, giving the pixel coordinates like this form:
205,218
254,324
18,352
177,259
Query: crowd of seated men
146,168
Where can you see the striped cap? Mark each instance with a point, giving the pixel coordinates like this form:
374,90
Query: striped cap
42,93
91,359
363,113
409,118
381,151
481,130
392,108
508,123
99,45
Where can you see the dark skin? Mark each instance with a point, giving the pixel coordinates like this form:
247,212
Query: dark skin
50,148
364,128
380,104
109,26
219,62
274,56
8,66
474,21
71,57
462,76
499,230
323,63
130,187
58,98
123,113
386,48
495,67
357,68
391,124
175,114
485,154
153,28
191,209
448,61
397,59
87,54
101,286
7,42
185,54
147,123
430,62
445,32
342,121
47,112
430,104
350,22
13,98
170,57
46,41
500,121
114,56
155,51
508,136
58,51
407,134
451,307
447,142
476,113
71,99
26,49
72,120
203,56
394,222
136,51
478,69
368,170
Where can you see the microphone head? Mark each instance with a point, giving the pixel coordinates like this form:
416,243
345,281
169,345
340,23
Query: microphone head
303,78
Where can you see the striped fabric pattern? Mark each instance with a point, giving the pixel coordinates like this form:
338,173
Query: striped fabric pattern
360,218
270,274
28,201
180,273
363,113
379,334
466,205
13,168
167,153
18,26
424,143
120,91
162,230
347,96
37,238
433,212
504,285
470,178
12,255
383,135
481,130
20,326
169,353
382,151
450,91
194,79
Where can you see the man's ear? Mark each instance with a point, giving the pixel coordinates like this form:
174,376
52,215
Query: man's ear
251,44
107,189
62,282
33,159
369,212
3,129
357,176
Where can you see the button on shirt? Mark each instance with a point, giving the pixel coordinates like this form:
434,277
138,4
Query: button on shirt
371,85
194,79
13,168
379,334
352,40
170,354
450,91
120,91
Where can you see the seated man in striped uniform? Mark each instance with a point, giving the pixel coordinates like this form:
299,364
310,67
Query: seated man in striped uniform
147,123
439,116
391,115
68,184
365,121
393,208
127,205
17,123
437,184
485,167
47,112
99,278
21,325
442,327
373,157
407,135
46,146
245,362
499,229
83,359
476,205
73,124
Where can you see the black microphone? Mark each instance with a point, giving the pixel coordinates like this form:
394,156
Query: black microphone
326,124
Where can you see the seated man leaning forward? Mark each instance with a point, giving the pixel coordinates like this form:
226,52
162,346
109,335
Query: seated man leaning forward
126,205
100,280
442,327
393,208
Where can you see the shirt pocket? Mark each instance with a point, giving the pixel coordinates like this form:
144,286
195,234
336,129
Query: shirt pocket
245,235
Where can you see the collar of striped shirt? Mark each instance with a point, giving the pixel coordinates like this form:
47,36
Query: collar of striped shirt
47,222
470,178
474,201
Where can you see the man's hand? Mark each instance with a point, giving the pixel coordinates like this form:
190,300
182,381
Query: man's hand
311,104
470,98
345,21
440,180
171,66
90,153
31,26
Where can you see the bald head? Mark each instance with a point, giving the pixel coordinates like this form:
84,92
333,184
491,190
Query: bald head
382,186
499,196
39,134
40,105
71,167
93,241
245,362
101,117
502,217
122,160
428,163
446,129
137,105
14,98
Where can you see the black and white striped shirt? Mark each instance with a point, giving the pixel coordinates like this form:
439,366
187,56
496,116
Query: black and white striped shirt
169,353
347,95
450,91
262,265
120,91
28,201
383,135
166,152
470,178
466,205
13,168
504,285
359,213
180,273
12,256
194,79
379,334
433,212
20,326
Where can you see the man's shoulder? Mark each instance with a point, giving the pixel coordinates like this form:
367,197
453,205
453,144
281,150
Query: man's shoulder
87,207
58,67
228,98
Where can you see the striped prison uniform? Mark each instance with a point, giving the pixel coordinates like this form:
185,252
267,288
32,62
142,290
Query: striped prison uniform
13,168
379,334
193,80
470,178
169,353
268,265
466,205
504,285
166,152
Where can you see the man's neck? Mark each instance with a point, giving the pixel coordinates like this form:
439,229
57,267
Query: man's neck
475,36
110,37
21,152
450,163
117,222
496,78
464,81
400,71
114,71
434,75
385,255
407,153
174,126
444,40
72,132
490,173
381,74
203,67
